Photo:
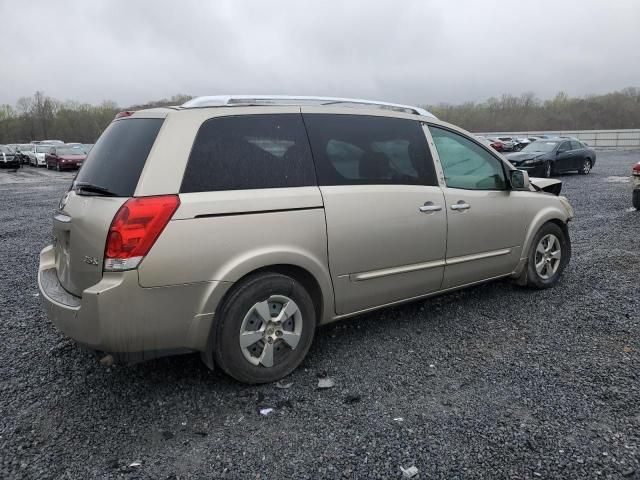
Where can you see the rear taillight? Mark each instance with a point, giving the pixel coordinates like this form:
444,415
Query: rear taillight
135,228
636,169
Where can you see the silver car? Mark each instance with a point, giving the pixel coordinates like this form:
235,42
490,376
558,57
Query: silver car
234,226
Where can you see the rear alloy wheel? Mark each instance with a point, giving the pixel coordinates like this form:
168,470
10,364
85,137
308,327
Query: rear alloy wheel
276,318
586,167
549,255
264,328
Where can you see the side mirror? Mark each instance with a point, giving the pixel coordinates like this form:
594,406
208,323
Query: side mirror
519,180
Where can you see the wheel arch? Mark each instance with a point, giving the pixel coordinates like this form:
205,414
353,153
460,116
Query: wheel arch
312,274
306,278
547,215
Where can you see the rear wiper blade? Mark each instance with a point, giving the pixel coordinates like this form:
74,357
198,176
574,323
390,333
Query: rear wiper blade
89,187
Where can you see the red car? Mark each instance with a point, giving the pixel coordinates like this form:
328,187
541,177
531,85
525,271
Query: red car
496,144
65,157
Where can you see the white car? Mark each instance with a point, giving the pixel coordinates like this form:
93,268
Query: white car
37,158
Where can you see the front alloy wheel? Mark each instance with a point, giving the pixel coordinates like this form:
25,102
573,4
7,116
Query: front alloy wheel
548,256
547,170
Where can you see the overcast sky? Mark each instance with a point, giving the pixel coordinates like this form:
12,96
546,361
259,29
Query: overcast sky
402,51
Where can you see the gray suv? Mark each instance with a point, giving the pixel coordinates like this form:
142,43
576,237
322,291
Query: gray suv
234,226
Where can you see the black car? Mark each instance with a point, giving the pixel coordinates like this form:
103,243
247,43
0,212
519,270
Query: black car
8,157
549,156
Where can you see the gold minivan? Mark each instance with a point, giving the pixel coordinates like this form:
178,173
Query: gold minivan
234,226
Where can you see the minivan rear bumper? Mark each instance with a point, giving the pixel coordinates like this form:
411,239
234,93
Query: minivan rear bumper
119,316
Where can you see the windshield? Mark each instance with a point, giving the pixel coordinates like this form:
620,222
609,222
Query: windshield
4,149
25,148
540,146
69,151
43,149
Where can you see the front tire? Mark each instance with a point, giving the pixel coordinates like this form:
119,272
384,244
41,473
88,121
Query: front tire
548,256
548,170
586,167
636,199
264,328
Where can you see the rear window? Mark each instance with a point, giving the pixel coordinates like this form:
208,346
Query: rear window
117,158
249,152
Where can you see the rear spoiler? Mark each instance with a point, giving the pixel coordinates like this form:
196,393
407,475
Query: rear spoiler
549,185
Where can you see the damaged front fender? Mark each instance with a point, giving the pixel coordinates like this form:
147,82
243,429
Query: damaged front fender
549,185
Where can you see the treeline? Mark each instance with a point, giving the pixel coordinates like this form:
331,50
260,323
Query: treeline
41,117
617,110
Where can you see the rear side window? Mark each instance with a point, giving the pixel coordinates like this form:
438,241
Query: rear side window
248,152
117,158
358,149
575,145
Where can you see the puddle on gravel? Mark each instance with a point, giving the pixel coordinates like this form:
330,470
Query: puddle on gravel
615,179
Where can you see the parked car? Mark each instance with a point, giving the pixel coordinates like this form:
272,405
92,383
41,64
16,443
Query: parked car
8,157
508,143
52,142
65,157
496,144
520,143
236,231
550,156
22,152
635,181
37,159
483,140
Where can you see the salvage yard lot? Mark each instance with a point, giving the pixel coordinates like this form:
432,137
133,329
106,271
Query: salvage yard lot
490,382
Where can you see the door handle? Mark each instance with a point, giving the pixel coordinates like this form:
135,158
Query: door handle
430,207
461,205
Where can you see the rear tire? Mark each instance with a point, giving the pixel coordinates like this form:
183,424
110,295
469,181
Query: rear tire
272,310
636,199
586,167
549,254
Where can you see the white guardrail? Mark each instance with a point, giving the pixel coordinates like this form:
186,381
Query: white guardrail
595,138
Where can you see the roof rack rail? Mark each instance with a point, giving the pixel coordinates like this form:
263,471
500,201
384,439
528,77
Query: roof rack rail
247,100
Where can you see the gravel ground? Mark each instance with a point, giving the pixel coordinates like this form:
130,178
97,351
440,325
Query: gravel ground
491,382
